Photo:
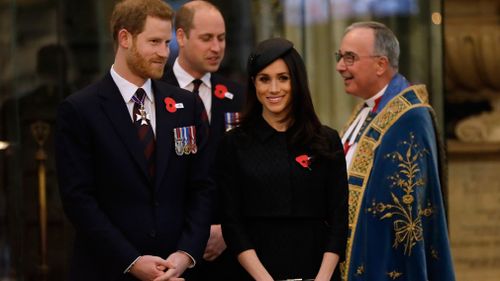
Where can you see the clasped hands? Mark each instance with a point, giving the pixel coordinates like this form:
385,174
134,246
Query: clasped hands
153,268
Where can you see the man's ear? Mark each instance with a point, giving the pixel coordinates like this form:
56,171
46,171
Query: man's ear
181,36
124,38
382,65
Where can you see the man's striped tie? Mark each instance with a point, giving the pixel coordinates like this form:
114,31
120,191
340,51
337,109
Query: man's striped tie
144,130
196,90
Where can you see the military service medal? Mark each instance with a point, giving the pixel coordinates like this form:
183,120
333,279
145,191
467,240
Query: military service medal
231,120
142,116
192,139
185,140
179,149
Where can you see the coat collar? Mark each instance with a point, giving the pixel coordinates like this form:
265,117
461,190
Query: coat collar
398,83
263,130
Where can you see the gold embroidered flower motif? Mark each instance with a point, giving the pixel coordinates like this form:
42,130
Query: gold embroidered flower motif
394,274
404,210
434,253
360,270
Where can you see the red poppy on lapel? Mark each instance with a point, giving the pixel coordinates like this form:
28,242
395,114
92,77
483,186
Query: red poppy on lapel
304,160
170,105
220,91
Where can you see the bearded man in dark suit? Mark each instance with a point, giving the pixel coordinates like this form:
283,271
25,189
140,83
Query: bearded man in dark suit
132,160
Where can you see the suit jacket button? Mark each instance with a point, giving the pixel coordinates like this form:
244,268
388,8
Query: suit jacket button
152,234
157,204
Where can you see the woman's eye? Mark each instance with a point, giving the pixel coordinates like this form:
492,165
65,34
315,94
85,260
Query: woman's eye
263,79
284,78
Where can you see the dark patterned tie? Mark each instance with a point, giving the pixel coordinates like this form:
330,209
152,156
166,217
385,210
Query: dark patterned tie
196,91
144,130
196,86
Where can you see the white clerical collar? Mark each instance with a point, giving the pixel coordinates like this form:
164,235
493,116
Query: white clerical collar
128,89
371,101
184,78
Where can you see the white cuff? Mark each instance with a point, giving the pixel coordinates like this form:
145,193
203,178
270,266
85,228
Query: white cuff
191,257
127,270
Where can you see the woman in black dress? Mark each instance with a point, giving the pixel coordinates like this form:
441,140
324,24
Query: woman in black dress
282,176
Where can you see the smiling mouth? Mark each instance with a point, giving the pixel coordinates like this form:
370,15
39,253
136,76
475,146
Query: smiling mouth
274,99
160,63
347,79
213,60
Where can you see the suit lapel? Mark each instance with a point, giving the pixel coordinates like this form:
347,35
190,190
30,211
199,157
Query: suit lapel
116,110
217,113
169,77
165,123
218,110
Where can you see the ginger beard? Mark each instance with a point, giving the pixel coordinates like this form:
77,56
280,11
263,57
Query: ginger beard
144,67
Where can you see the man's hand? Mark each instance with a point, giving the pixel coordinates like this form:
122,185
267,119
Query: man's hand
215,244
178,262
147,268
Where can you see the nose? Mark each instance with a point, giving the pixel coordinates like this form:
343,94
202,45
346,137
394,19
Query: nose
164,51
274,86
340,66
217,45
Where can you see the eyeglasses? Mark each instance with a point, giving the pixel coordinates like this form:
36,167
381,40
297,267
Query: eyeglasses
351,57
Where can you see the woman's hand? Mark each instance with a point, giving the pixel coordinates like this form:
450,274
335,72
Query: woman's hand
249,260
328,265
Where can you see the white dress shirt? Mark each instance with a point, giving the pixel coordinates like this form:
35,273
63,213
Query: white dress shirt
128,90
185,81
349,138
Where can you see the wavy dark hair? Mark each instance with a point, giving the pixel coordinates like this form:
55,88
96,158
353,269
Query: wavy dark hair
306,129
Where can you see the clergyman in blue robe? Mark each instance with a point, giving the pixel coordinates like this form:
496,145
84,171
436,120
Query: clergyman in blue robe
397,220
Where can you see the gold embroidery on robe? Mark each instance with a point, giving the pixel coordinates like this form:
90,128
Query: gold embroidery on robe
408,178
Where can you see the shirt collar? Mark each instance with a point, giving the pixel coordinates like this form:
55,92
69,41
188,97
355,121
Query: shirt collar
128,89
373,100
184,78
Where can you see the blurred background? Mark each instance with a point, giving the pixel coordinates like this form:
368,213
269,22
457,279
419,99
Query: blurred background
50,48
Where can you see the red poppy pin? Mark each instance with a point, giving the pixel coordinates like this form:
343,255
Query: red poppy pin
304,160
221,92
170,105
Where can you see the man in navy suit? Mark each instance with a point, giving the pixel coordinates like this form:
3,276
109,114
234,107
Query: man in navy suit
132,160
201,37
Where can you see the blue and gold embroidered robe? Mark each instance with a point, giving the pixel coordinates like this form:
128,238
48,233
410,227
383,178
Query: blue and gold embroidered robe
397,220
